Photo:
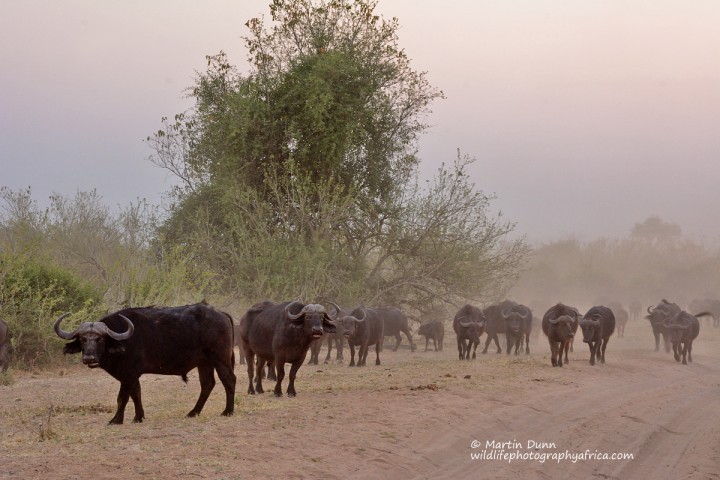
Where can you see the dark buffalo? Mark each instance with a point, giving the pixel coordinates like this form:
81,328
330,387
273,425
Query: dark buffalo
394,322
4,346
682,329
469,323
621,317
597,325
337,338
657,316
281,333
560,323
433,330
165,341
495,323
518,324
363,328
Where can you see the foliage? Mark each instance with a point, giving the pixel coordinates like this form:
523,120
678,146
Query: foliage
34,292
299,178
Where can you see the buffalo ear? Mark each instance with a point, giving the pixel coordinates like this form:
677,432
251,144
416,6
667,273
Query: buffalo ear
328,327
72,347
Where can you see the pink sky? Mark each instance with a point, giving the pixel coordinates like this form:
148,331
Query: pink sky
584,116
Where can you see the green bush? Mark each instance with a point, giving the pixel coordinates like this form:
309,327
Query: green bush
34,293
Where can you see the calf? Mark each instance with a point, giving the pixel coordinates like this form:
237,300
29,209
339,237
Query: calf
433,330
597,325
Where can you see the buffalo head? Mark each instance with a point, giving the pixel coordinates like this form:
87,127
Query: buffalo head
563,326
590,326
515,318
350,323
90,337
312,317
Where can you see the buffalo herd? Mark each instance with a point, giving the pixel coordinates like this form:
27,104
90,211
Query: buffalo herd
172,341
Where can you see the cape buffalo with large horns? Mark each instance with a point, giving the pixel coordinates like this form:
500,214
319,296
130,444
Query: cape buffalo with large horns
165,341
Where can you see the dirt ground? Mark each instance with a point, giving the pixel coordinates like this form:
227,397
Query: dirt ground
418,415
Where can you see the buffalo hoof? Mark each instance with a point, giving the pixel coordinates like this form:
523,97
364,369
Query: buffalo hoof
677,357
474,356
193,413
227,413
278,394
138,419
291,394
377,362
115,421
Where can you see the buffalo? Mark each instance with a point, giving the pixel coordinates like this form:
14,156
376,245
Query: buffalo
165,341
394,322
363,328
495,323
469,323
518,324
337,338
281,333
433,330
621,317
597,325
4,346
682,329
560,323
657,316
634,309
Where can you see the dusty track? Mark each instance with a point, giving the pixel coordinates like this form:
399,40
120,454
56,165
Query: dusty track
376,423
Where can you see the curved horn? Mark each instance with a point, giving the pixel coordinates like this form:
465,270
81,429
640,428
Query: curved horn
505,315
62,333
337,311
294,316
650,309
527,315
364,315
465,324
596,318
125,335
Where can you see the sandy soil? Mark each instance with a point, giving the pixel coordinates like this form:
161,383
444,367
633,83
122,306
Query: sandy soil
418,415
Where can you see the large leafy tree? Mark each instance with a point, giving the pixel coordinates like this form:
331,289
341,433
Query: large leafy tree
299,177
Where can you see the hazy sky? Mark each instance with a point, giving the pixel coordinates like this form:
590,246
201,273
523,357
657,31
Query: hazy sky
584,116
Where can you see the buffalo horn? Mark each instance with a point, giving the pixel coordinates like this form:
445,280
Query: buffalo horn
62,333
465,324
337,311
125,335
294,316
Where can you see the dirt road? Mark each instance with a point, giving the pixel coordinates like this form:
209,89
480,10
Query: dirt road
418,415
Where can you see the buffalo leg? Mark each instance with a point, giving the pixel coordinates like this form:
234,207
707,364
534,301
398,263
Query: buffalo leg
126,388
657,341
228,380
271,371
329,348
474,345
250,361
398,339
339,347
689,351
427,340
409,335
352,355
604,346
362,354
291,384
137,401
207,383
377,354
461,348
259,374
553,353
527,343
593,347
280,367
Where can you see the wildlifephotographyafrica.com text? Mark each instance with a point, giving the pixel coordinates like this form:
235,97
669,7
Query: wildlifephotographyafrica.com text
541,452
